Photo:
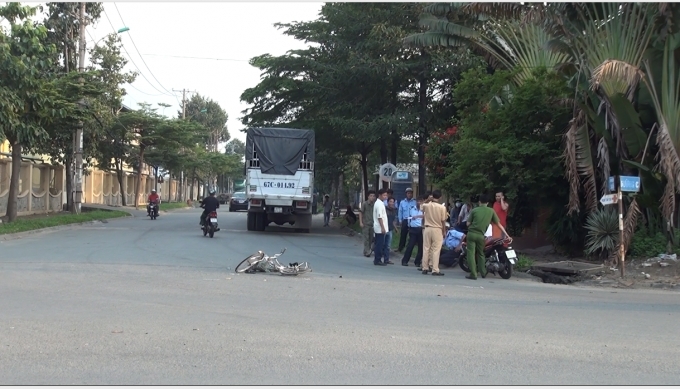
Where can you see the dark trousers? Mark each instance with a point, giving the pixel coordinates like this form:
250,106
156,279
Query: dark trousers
379,250
450,257
404,234
415,238
326,218
203,216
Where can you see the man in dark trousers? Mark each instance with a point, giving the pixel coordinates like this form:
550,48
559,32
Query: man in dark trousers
327,208
402,217
209,204
478,222
415,236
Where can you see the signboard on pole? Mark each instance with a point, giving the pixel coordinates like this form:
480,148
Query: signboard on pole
628,184
609,199
386,171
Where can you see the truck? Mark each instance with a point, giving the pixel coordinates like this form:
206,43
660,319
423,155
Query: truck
279,164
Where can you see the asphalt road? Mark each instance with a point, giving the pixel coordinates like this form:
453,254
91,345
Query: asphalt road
136,301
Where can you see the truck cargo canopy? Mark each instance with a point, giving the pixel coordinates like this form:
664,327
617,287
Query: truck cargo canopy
279,150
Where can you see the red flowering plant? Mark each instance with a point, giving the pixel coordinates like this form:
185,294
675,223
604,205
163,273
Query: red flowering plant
437,152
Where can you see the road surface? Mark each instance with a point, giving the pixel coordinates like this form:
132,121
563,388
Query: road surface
135,301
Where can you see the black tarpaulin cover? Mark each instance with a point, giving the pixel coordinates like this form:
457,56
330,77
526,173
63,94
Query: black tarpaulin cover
279,150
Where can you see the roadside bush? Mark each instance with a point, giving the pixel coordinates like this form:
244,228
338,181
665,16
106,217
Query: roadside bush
647,244
524,263
603,232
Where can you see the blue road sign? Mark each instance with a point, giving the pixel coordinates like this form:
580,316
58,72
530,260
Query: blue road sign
628,184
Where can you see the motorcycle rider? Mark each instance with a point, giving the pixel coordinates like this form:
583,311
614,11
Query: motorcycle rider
154,198
209,204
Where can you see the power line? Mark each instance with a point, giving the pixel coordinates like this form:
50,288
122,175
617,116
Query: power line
140,54
131,60
189,57
134,87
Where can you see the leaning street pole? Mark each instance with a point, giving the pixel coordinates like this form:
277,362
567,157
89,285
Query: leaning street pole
77,204
622,248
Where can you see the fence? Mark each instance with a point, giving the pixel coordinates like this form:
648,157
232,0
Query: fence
42,188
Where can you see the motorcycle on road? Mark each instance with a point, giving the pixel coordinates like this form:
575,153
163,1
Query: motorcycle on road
153,211
210,224
499,258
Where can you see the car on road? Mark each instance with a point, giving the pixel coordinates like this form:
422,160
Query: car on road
238,202
223,198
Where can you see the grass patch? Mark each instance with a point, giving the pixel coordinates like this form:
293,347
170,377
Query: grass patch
35,222
169,206
524,263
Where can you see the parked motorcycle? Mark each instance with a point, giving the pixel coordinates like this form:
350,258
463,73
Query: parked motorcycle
210,224
153,211
500,258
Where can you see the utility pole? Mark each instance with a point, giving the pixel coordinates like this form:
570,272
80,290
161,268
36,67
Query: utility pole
77,204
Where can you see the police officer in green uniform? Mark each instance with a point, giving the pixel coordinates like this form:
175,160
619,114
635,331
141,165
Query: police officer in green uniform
478,222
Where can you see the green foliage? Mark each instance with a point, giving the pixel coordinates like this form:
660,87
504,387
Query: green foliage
648,243
603,232
566,231
524,263
170,206
214,119
34,223
511,145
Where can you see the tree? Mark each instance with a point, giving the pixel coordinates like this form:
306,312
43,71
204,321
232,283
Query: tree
210,115
63,24
113,139
236,147
513,147
146,127
29,89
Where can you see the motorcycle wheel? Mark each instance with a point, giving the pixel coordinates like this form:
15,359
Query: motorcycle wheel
462,262
205,231
212,232
507,273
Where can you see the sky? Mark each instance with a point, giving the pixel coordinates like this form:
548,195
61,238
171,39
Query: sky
233,32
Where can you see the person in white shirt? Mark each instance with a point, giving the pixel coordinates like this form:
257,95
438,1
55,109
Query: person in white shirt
380,228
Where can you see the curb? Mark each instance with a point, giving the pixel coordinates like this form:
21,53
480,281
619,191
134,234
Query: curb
70,226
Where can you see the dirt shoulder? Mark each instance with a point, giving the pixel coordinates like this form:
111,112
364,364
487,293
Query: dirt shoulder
641,273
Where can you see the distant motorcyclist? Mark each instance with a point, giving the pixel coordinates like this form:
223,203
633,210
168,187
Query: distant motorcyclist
209,204
154,198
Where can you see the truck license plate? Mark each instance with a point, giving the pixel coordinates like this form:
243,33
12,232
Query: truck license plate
278,210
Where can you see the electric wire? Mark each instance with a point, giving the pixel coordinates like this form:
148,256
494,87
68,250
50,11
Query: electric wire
190,57
133,62
140,54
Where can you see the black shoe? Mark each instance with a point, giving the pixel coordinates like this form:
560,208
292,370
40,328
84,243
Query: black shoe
425,271
379,264
437,273
484,275
389,263
469,277
404,264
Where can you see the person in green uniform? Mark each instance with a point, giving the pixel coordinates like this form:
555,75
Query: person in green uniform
478,222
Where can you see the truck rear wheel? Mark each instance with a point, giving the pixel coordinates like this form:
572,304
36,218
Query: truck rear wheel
260,221
251,221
